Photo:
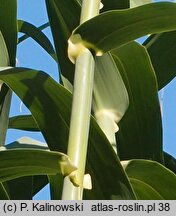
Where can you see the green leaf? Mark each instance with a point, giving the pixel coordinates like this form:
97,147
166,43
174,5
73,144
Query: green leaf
36,34
115,28
8,26
23,122
59,13
108,179
114,5
4,60
170,162
19,188
97,151
50,105
3,193
144,191
5,95
56,185
154,175
25,36
25,187
140,134
27,142
43,100
162,51
25,162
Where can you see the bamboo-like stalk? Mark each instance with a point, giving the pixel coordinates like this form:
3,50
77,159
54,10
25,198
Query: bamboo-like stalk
81,109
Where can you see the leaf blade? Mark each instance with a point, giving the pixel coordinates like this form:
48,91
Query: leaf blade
154,174
22,162
8,26
53,101
36,34
130,24
161,48
143,117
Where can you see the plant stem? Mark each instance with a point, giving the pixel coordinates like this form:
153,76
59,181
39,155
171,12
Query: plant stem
81,109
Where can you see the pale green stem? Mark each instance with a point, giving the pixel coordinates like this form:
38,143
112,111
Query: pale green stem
90,8
81,110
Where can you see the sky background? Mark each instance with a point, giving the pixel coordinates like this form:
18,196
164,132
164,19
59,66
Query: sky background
31,55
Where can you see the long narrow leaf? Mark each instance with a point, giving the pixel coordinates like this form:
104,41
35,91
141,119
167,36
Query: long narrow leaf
114,5
122,26
161,180
162,51
4,60
3,193
140,134
25,36
27,142
25,187
170,162
5,95
24,162
95,171
8,26
59,13
51,109
36,34
23,122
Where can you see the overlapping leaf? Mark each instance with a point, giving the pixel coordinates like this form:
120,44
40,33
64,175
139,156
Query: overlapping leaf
50,105
170,162
140,134
25,187
151,180
23,122
25,162
114,5
26,36
162,51
59,13
122,26
3,193
8,26
5,95
28,143
38,36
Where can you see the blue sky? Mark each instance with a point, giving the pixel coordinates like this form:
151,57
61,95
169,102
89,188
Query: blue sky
30,54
